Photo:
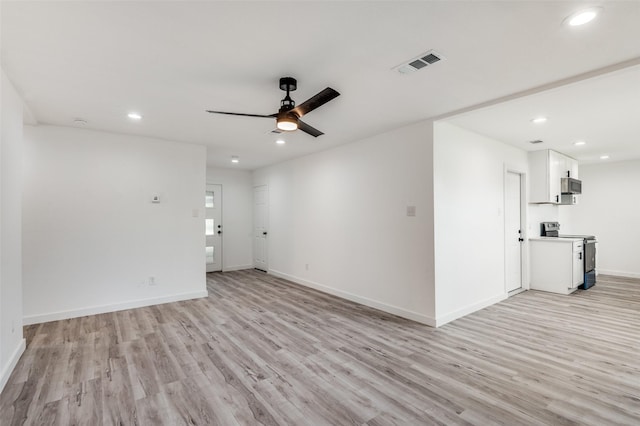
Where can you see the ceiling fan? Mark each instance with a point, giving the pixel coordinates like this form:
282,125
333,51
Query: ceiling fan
288,116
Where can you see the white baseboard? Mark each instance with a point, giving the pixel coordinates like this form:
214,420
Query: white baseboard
414,316
619,273
442,320
12,362
237,268
94,310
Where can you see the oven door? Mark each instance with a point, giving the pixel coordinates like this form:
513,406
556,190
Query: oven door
589,255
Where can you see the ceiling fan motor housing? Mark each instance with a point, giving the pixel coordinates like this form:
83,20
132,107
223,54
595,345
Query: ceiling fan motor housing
288,84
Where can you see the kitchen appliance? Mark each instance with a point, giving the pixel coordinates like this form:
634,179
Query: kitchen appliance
570,186
552,230
549,229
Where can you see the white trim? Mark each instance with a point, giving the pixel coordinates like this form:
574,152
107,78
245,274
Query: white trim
414,316
619,273
94,310
442,320
237,268
13,361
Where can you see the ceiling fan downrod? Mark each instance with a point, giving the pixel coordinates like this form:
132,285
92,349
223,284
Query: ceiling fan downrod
288,84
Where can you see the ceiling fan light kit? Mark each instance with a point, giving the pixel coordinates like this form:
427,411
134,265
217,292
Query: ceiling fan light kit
287,122
288,116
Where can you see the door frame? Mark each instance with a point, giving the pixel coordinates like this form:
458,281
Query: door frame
524,254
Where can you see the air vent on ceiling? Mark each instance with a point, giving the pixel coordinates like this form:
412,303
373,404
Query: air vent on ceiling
536,141
427,58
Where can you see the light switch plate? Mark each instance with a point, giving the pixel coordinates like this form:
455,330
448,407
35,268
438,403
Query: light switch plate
411,210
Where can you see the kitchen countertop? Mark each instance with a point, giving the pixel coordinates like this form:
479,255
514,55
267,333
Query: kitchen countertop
556,239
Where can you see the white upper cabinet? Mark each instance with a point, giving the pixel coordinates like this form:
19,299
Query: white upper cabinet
547,168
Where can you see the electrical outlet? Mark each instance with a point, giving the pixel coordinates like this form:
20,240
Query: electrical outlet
13,327
152,281
306,266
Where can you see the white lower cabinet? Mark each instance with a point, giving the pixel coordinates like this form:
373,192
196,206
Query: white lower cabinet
556,264
578,265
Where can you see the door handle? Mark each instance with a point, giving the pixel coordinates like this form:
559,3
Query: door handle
521,239
264,233
219,232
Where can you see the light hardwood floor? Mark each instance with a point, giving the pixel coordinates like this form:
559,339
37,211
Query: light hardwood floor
260,350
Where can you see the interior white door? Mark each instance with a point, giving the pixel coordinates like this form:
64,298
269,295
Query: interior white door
260,223
213,227
513,231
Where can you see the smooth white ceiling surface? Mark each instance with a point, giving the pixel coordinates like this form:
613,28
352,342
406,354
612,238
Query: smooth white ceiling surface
172,60
603,111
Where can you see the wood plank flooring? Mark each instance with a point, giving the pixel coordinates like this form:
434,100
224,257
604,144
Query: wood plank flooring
261,350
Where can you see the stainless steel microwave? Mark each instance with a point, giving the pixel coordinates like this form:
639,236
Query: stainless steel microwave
571,186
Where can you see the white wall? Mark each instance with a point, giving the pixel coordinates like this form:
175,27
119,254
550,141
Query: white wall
342,212
92,237
545,213
609,208
237,216
469,221
12,344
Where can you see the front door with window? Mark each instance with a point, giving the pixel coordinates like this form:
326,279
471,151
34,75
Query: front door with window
213,227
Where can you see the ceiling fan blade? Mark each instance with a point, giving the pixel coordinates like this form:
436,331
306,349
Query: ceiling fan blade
308,129
243,115
316,101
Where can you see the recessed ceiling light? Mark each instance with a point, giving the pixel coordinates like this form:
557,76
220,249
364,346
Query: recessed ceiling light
539,120
604,157
281,142
235,159
582,17
579,143
134,116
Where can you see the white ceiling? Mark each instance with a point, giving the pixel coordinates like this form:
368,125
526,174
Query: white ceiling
172,60
603,111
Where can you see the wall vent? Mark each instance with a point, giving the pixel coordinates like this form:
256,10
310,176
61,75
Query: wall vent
536,141
429,57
